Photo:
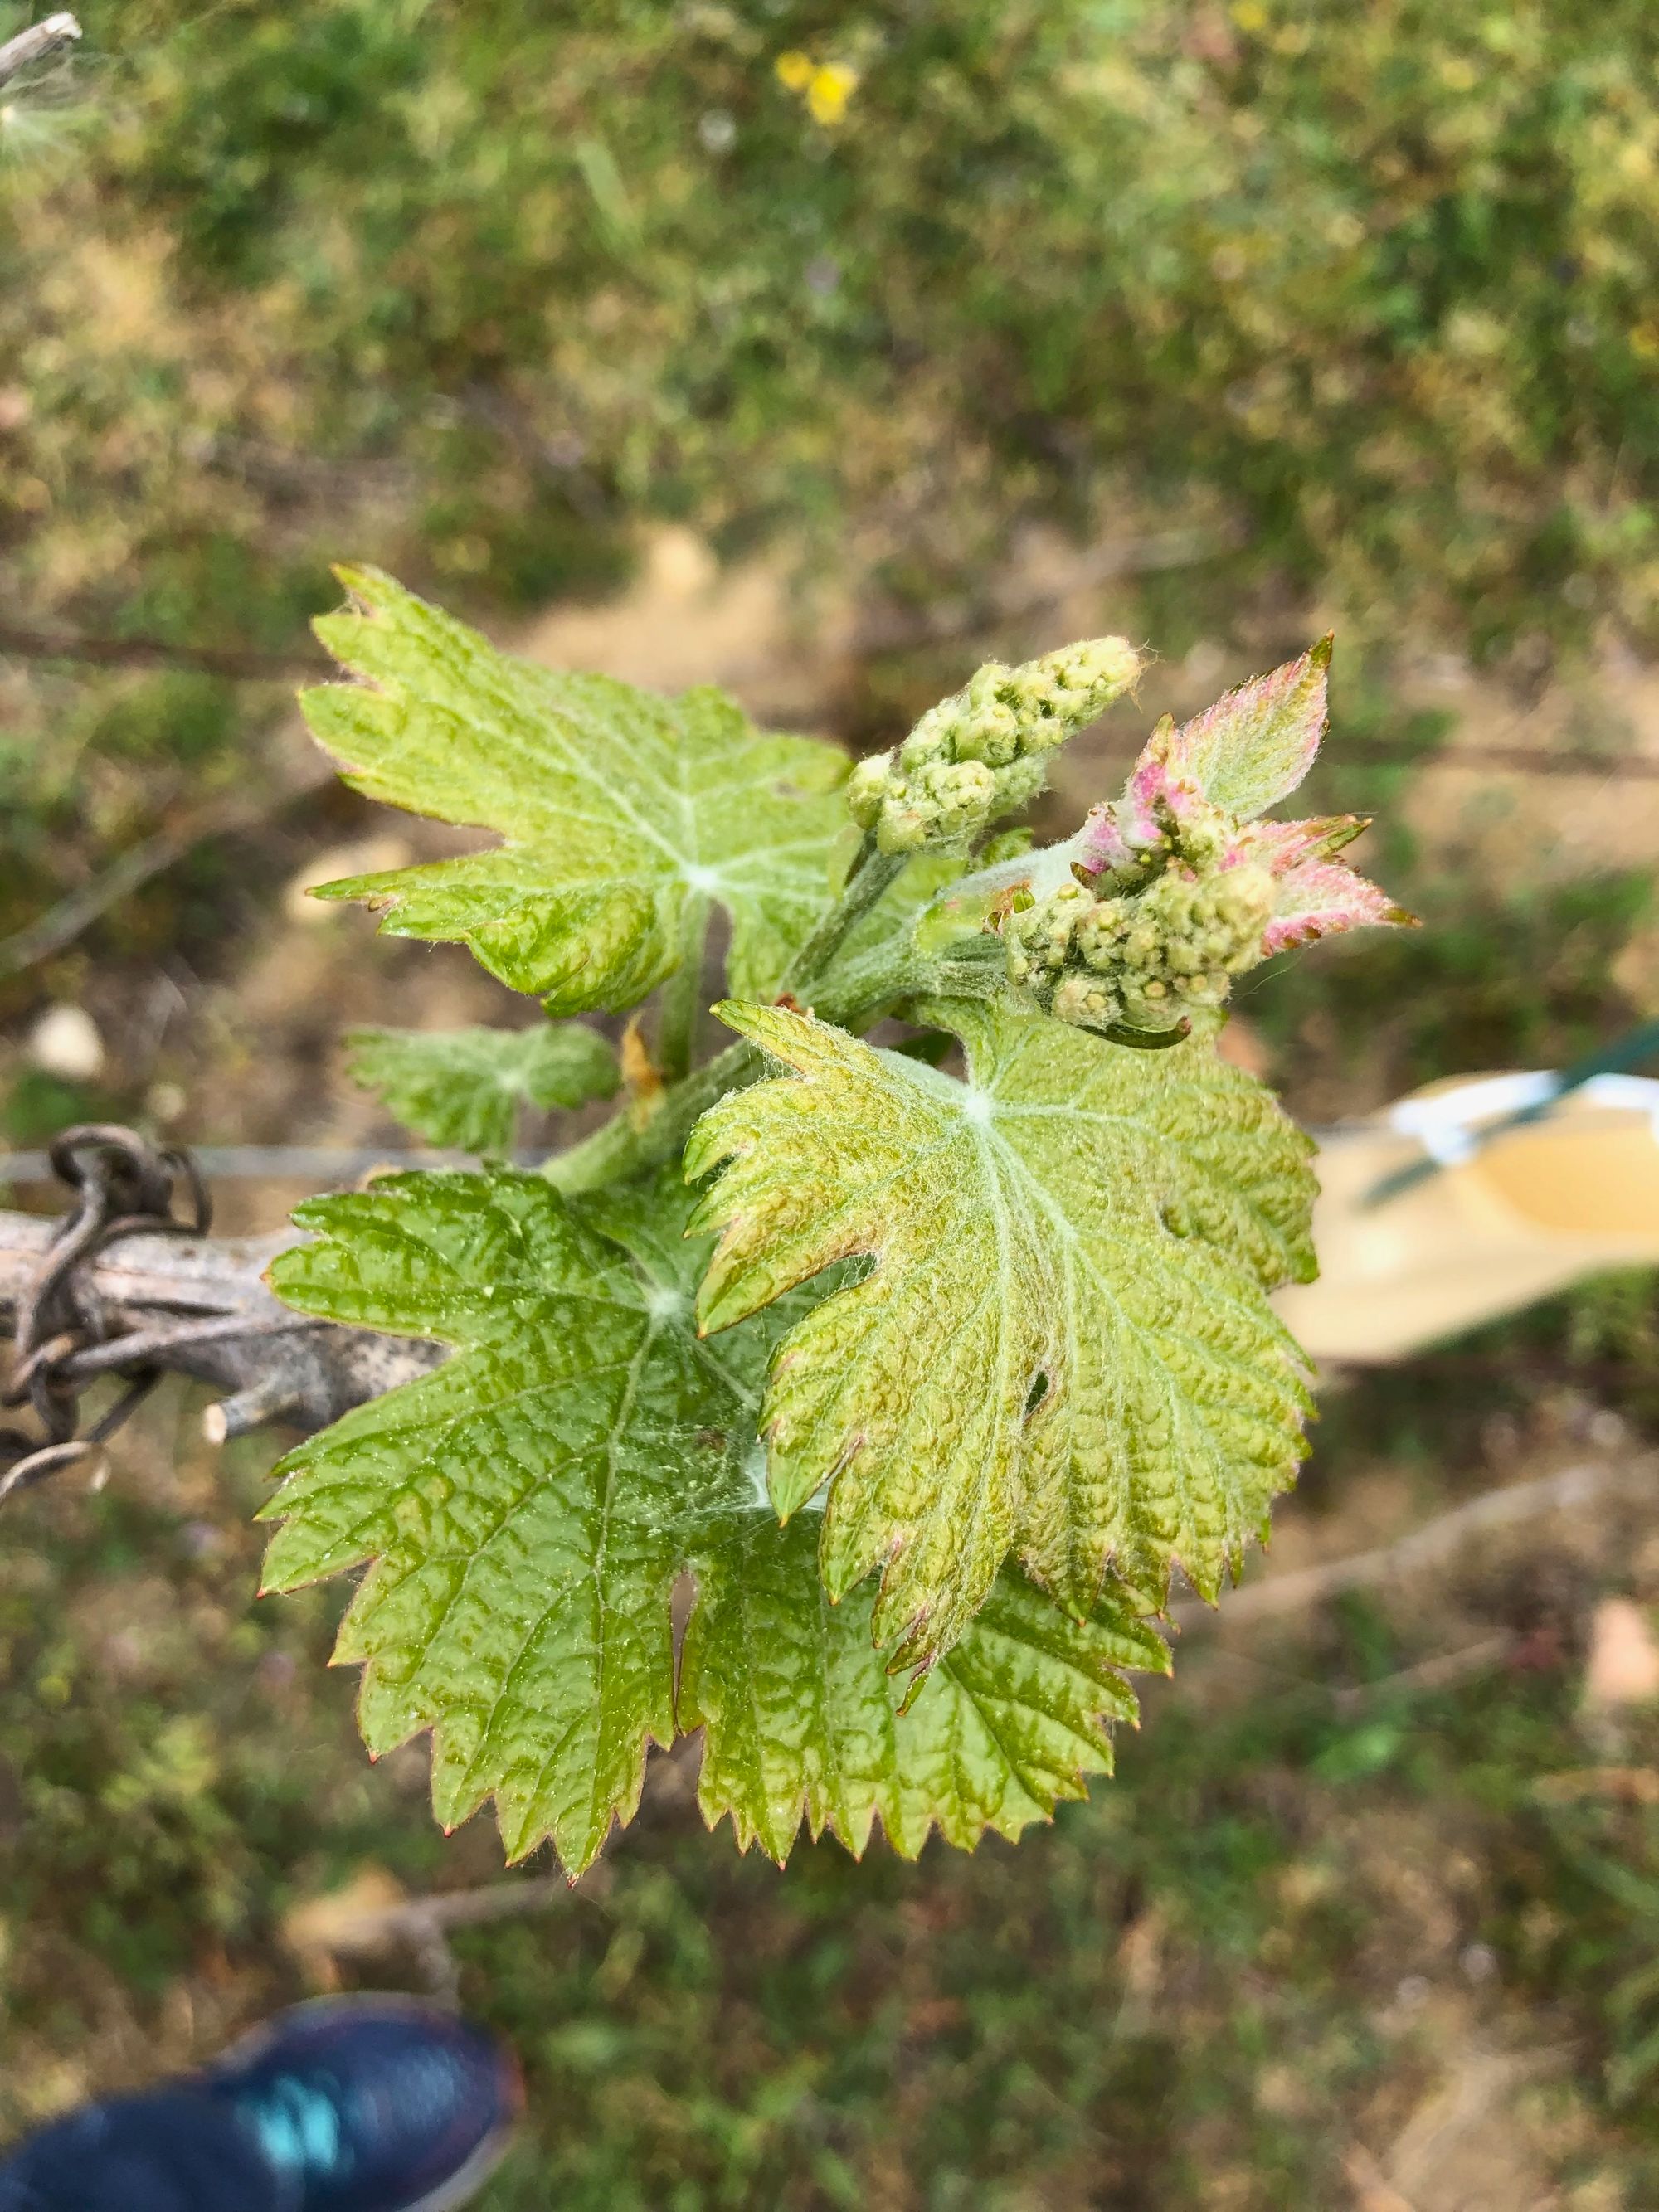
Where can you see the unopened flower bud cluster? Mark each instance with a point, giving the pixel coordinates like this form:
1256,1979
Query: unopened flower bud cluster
984,752
1144,959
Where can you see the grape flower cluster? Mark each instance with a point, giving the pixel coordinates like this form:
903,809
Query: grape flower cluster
1146,915
984,752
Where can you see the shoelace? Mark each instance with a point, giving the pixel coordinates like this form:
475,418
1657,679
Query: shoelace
298,2124
305,2124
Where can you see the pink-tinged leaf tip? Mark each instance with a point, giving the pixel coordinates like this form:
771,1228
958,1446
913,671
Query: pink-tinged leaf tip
1102,848
1323,898
1279,847
1258,741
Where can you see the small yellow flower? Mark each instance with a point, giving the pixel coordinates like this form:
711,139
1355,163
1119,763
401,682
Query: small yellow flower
794,70
829,92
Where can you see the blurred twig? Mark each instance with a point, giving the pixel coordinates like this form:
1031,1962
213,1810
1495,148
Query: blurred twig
1510,760
1517,760
62,924
1519,1367
38,44
24,644
327,1167
1439,1673
892,629
1621,1785
362,1921
1577,1786
1427,1546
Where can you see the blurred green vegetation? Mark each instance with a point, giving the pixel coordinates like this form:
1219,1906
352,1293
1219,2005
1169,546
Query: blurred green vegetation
1363,299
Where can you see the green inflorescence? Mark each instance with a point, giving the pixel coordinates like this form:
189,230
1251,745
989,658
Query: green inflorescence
1144,918
1144,959
983,752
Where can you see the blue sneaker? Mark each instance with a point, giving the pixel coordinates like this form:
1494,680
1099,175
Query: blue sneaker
172,2150
371,2103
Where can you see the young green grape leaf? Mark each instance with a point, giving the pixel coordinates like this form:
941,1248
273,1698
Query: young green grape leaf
800,1712
622,814
464,1087
527,1511
1064,1348
510,1605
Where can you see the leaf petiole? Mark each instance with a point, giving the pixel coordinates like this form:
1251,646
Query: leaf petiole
872,873
618,1149
680,1001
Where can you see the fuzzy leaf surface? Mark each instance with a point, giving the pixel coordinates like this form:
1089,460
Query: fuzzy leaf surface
1064,1348
800,1711
525,1511
1255,744
622,814
464,1087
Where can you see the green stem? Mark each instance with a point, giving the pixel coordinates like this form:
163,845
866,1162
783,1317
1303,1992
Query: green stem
680,1001
869,987
872,873
621,1148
